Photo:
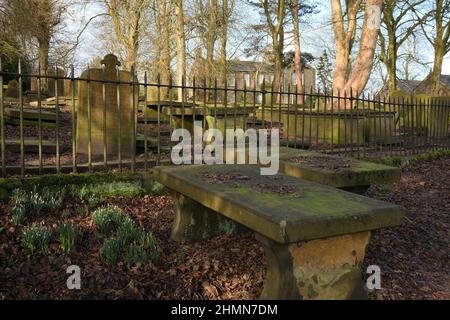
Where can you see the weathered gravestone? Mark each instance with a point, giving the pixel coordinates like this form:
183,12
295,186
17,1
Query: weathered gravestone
48,84
52,81
110,123
68,88
12,91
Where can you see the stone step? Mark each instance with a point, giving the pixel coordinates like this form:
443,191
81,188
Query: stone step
31,145
30,114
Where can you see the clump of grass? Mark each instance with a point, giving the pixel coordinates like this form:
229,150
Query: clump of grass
67,237
33,203
108,219
158,189
386,189
36,238
110,189
111,249
125,240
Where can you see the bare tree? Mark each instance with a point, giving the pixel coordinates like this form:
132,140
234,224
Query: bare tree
297,50
399,24
210,39
223,43
181,45
438,35
127,20
275,21
35,20
348,77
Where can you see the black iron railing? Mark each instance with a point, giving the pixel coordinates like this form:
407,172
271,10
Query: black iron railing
41,134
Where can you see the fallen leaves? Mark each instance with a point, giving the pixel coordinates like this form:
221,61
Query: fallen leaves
414,257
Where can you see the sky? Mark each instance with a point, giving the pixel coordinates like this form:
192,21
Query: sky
316,35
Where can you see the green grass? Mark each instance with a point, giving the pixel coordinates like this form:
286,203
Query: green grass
56,182
158,189
386,189
125,240
28,204
36,238
108,219
111,250
94,194
67,237
110,189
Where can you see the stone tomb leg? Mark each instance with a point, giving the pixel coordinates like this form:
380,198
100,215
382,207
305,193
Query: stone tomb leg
195,222
322,269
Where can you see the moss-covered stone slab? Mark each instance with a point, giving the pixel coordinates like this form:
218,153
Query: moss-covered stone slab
314,236
282,208
345,173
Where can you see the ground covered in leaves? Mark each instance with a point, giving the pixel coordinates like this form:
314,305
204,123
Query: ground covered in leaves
414,258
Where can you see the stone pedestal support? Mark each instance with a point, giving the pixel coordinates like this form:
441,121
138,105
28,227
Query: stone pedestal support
322,269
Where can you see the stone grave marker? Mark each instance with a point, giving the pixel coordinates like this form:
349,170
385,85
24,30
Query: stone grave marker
12,91
51,82
118,123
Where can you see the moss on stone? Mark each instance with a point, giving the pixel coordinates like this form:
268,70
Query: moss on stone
357,174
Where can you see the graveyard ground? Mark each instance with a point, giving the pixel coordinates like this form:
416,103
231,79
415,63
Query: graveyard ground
414,258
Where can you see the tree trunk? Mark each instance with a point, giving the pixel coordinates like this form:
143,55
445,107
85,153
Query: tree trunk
210,42
181,46
439,48
165,50
363,65
44,45
353,79
297,51
277,34
132,47
223,45
392,63
343,40
437,66
391,56
278,67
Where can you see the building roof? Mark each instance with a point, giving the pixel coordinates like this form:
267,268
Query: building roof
407,86
445,79
252,66
249,66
